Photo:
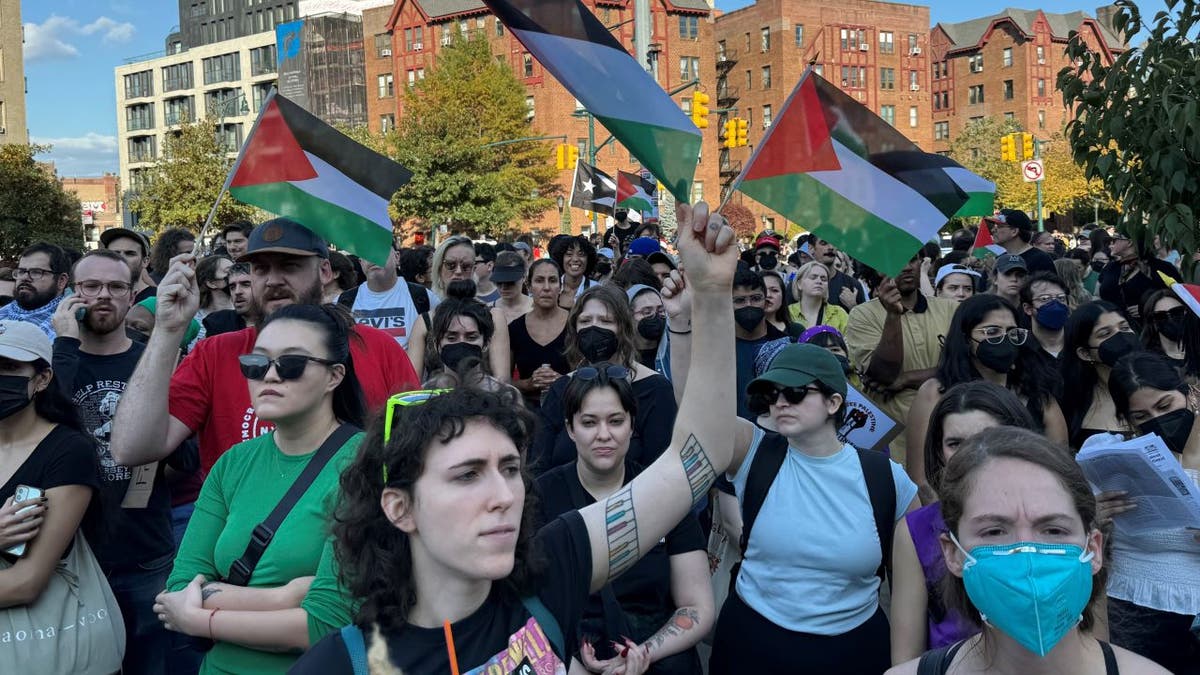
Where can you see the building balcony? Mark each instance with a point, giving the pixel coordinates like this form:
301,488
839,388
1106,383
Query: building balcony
727,96
731,168
726,59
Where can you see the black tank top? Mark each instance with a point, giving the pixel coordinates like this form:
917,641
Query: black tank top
937,661
528,355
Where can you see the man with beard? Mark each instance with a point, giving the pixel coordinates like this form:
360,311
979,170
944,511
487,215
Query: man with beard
93,361
135,249
895,341
41,278
844,290
751,329
230,320
289,264
237,236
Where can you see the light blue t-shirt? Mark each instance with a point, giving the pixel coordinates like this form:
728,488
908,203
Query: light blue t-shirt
814,551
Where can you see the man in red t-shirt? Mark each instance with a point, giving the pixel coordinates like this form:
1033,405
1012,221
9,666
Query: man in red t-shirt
207,395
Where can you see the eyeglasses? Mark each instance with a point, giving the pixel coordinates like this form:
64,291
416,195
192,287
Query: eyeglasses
609,372
1166,315
743,300
760,400
287,367
1040,300
91,289
405,400
31,273
995,335
459,265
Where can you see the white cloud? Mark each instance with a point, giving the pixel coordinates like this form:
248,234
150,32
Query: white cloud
53,38
89,155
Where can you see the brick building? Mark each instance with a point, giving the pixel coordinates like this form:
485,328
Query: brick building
876,52
12,75
681,48
1006,65
99,204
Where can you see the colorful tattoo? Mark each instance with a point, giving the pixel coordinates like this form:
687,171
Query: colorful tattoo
684,620
621,525
697,468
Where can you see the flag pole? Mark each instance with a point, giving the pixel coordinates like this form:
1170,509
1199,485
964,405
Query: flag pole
237,163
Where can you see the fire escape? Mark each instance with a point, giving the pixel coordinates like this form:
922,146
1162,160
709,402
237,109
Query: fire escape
727,97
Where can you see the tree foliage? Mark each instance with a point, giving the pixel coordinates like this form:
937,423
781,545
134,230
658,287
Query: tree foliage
183,185
33,204
740,218
1137,121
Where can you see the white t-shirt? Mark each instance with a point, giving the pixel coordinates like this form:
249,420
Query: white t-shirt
814,551
392,311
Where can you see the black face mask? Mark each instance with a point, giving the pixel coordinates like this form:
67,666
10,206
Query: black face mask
652,327
845,363
455,353
768,262
1174,428
597,344
14,395
1098,266
1119,344
749,317
999,358
1172,329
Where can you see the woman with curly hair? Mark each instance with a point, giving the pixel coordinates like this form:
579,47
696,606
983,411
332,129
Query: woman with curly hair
168,245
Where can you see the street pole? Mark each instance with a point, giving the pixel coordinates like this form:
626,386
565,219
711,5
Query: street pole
1037,154
591,148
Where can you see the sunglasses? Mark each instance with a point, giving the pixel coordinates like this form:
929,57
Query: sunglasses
761,400
1167,315
287,367
609,372
405,400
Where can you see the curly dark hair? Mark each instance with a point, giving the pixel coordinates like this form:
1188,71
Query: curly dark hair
560,246
164,248
374,557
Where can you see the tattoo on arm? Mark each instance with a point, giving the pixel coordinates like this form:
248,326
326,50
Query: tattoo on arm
697,468
684,620
209,589
621,524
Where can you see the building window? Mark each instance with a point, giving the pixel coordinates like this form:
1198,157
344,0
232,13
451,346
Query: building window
408,39
178,76
179,111
259,92
853,39
766,77
912,43
527,63
914,80
767,116
138,117
1041,119
420,74
1008,57
747,42
412,78
941,131
383,43
462,27
140,84
697,191
689,27
142,149
887,43
976,63
975,94
937,101
888,113
854,77
1041,88
480,22
230,136
749,81
799,35
445,34
529,107
387,87
912,116
946,100
262,60
689,68
1008,90
499,28
1008,116
1041,54
419,39
223,68
937,70
887,79
766,39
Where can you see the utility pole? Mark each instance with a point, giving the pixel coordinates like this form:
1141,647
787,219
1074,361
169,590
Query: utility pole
1037,154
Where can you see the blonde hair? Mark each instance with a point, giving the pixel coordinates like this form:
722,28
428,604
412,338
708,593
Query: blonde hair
803,272
1071,275
439,256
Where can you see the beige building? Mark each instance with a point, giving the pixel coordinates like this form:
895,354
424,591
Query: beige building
12,74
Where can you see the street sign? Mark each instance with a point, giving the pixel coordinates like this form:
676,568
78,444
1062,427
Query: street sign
1033,171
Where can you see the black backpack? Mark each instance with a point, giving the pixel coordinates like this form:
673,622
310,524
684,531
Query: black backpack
881,489
420,297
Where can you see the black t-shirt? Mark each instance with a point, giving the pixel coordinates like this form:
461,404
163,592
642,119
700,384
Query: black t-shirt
1037,260
501,636
145,293
624,236
529,355
223,321
746,351
656,408
841,280
95,383
64,457
1129,293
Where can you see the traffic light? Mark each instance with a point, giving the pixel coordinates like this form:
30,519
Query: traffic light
572,156
1008,149
743,129
700,109
730,132
1027,146
565,156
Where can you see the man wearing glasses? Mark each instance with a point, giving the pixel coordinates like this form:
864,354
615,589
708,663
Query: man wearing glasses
40,281
1013,230
1044,299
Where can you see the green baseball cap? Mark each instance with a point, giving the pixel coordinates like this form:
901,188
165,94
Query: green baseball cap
801,365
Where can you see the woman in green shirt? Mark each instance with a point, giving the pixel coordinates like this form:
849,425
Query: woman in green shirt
302,380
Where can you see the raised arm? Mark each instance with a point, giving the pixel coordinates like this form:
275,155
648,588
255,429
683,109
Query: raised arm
630,522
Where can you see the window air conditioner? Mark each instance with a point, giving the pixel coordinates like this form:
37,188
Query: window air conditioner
418,46
914,87
863,47
1041,62
916,51
385,52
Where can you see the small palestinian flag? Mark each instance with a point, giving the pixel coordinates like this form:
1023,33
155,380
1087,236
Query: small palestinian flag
593,190
981,193
837,169
585,58
1188,294
295,165
984,244
634,192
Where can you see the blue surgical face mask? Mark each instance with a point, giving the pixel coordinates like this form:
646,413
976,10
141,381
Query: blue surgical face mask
1053,315
1034,592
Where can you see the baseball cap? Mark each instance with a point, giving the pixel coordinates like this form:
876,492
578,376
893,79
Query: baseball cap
1012,218
284,235
636,290
766,240
1009,262
800,365
662,257
509,267
946,270
113,233
522,246
644,246
607,253
25,342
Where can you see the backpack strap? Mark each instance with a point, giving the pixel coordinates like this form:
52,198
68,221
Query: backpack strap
352,637
769,456
420,297
937,661
549,625
881,490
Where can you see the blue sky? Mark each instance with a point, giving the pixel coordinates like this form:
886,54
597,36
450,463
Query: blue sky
72,47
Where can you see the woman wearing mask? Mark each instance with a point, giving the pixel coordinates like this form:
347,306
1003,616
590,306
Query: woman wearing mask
1099,260
1173,330
650,322
600,328
667,588
778,314
576,257
1154,583
1097,336
539,337
212,275
985,341
811,291
1024,549
462,331
454,260
920,620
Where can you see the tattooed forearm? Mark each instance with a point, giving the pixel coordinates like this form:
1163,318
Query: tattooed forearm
621,524
697,468
684,620
209,589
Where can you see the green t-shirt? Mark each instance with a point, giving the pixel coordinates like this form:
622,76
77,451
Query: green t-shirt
242,489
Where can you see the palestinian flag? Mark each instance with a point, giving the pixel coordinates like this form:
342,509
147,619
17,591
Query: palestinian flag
293,164
1188,294
585,58
984,244
634,192
592,190
837,169
981,193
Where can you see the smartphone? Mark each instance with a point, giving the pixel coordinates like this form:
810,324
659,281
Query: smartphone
81,314
23,493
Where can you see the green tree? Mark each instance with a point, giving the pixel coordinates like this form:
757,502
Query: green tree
183,185
1137,121
33,205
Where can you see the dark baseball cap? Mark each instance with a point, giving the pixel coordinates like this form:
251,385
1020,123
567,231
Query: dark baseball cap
1009,262
113,233
1013,218
662,257
284,235
509,267
800,365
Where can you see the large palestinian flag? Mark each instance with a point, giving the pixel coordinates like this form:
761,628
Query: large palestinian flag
585,58
839,170
634,192
295,165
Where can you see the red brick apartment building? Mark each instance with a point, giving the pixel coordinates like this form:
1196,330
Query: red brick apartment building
403,42
1006,65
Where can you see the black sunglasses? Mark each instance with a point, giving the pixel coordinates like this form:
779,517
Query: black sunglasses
760,401
1166,315
287,367
605,372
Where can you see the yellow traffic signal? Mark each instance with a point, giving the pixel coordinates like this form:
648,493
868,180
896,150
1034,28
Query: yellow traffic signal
1008,149
743,129
572,156
560,156
1027,146
730,132
700,109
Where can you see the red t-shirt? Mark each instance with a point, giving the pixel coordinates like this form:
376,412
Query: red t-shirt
209,393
